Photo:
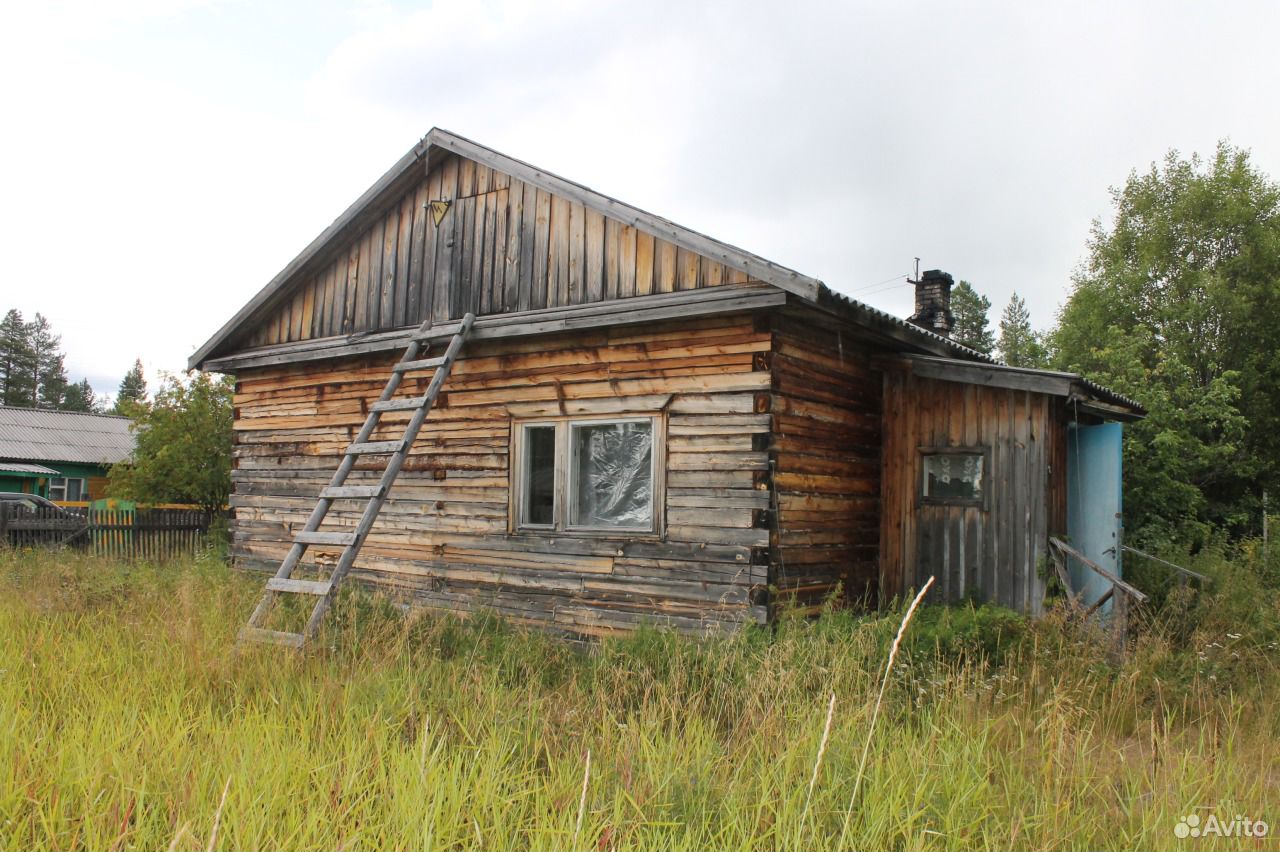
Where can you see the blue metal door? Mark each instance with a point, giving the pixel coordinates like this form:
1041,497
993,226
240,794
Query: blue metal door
1093,505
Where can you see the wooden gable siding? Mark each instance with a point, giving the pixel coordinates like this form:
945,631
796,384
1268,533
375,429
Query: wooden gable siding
826,462
444,539
504,245
991,553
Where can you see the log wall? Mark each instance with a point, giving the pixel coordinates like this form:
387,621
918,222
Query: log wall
990,553
444,538
826,419
502,245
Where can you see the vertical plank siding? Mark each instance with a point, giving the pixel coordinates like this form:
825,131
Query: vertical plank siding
445,540
826,420
502,246
993,553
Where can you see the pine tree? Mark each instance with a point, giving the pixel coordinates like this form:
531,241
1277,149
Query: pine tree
1020,345
972,326
50,376
80,397
17,372
133,389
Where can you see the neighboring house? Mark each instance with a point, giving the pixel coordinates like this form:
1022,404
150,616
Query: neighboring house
61,455
646,423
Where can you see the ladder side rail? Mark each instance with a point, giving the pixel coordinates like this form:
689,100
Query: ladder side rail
318,514
390,474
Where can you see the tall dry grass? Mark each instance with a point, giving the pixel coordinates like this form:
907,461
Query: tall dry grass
127,721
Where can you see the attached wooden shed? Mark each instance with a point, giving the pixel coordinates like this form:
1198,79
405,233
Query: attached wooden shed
645,424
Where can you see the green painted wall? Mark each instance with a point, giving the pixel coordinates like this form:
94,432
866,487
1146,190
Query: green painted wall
8,482
93,474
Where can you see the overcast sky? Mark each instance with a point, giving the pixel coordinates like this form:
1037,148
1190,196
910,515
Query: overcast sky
163,159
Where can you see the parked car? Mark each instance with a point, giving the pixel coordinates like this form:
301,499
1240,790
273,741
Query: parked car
30,502
28,520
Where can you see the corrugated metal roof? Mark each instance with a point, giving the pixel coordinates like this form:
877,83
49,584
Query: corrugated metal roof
32,434
1103,393
30,469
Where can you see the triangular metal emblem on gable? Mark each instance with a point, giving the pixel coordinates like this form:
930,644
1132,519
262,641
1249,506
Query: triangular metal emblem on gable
438,209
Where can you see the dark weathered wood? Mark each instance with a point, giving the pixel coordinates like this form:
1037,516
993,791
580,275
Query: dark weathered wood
989,375
1096,605
443,532
1068,550
994,551
675,305
352,541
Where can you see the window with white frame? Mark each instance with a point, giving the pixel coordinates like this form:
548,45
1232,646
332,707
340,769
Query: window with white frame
586,475
67,488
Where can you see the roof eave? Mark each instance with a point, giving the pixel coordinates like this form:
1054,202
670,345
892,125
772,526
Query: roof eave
393,182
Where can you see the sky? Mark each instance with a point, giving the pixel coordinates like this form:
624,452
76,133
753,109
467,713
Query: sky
164,159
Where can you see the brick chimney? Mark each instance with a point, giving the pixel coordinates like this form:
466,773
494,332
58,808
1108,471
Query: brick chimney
933,302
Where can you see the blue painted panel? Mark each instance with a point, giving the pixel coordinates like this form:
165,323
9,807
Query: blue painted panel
1094,461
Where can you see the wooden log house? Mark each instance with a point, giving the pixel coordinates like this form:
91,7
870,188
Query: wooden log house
646,424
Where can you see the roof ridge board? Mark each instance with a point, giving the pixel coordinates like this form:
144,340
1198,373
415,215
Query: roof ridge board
63,411
751,263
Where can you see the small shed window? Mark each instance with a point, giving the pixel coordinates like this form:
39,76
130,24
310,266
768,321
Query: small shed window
586,475
954,476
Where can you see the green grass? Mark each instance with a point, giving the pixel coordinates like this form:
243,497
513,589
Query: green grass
125,712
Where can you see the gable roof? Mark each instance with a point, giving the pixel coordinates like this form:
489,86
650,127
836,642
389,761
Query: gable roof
34,434
438,144
427,153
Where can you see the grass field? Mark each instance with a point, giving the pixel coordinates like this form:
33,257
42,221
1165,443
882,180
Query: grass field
127,721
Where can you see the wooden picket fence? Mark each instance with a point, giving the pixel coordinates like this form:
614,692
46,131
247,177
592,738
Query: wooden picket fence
151,534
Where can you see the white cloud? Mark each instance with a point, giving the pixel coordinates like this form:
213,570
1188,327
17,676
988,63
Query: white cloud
147,194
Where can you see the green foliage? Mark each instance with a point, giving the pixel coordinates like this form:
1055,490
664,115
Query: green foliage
80,397
128,711
972,325
1178,306
50,378
1020,345
17,362
965,633
32,366
183,452
133,390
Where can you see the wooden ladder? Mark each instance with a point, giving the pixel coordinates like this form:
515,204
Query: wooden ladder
395,451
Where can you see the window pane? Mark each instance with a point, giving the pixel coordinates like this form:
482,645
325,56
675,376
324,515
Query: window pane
75,489
57,489
539,475
953,476
612,475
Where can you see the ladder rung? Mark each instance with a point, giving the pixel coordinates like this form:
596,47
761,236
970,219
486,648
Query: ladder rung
341,492
375,448
374,493
299,587
410,404
342,538
421,364
271,637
